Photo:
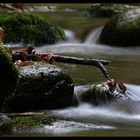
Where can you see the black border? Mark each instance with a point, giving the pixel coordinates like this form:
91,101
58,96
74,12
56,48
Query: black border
69,1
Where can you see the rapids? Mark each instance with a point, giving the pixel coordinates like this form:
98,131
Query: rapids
86,117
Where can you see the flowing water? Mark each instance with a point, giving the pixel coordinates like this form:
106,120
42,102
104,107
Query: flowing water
114,119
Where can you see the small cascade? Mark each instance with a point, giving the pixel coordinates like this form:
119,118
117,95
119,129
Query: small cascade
93,36
89,47
77,91
133,92
69,35
125,113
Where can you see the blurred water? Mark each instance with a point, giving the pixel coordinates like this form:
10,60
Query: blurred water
89,47
86,117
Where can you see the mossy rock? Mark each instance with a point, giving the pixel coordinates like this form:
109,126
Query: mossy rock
22,124
123,29
94,95
42,86
30,121
9,75
30,28
106,10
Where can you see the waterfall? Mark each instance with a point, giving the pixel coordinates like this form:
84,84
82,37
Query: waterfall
69,37
93,36
77,91
89,47
69,34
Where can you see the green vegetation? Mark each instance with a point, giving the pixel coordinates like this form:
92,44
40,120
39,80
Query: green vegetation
29,121
106,10
30,28
8,74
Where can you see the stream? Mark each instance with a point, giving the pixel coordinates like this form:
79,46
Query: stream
114,119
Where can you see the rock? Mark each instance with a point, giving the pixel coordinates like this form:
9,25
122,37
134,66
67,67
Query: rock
94,94
29,121
30,28
123,29
3,120
42,86
9,75
107,10
5,129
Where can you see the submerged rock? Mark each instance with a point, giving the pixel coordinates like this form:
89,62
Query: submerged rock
41,86
97,95
123,29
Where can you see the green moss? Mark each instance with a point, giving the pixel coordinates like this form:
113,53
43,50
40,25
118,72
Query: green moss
29,121
8,74
34,82
30,28
105,10
122,30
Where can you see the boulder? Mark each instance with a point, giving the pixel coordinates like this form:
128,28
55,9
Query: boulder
107,10
96,95
41,86
30,28
122,29
9,75
3,120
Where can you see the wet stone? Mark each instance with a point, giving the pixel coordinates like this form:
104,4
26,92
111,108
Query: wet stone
42,86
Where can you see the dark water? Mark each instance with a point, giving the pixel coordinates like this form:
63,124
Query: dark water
122,119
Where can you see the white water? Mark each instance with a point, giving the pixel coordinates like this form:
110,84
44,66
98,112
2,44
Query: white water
117,114
93,36
125,114
88,47
86,116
